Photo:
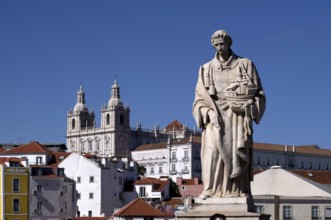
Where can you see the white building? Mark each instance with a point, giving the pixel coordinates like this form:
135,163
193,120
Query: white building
174,159
99,183
152,188
34,152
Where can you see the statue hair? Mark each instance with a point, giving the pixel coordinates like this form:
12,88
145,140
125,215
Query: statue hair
221,34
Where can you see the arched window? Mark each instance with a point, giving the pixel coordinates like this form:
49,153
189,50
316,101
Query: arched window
121,119
73,123
108,119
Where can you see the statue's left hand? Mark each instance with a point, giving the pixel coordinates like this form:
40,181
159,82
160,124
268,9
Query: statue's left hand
213,118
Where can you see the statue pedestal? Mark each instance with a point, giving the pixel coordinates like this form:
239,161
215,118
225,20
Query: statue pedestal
232,208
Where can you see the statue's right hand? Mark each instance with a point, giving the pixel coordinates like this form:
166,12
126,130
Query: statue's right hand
213,118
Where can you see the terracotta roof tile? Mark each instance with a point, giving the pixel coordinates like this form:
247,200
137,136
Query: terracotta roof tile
319,176
175,125
174,201
30,148
139,208
59,156
158,185
10,159
190,182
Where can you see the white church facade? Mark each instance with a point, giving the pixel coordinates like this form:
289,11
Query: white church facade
114,137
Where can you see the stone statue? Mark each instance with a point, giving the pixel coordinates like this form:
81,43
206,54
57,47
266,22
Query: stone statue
228,98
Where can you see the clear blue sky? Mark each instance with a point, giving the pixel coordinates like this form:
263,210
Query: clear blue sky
154,48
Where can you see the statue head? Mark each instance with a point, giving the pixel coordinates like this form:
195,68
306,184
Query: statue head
217,217
221,36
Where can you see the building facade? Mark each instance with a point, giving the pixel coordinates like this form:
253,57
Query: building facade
50,195
99,183
307,157
173,158
14,189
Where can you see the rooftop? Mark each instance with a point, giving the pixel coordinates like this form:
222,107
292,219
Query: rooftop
156,146
301,149
158,185
175,125
31,148
139,208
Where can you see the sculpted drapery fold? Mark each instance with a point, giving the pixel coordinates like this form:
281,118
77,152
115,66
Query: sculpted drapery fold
226,151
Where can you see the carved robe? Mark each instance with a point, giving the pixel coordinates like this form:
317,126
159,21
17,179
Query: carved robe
226,151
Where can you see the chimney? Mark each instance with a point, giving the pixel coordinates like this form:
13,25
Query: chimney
196,181
103,161
25,161
179,181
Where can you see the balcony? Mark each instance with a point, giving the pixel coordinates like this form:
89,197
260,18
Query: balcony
173,159
173,172
185,159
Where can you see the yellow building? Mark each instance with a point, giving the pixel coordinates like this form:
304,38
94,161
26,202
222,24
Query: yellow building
14,189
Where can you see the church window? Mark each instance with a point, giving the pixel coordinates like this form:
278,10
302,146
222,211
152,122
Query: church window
152,170
73,123
108,119
90,145
122,119
97,143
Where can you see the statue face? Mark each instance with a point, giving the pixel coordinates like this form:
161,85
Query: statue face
221,47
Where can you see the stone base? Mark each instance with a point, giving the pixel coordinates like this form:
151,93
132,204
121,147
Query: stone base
232,208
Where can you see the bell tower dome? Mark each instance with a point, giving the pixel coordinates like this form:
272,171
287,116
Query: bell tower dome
115,118
79,118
